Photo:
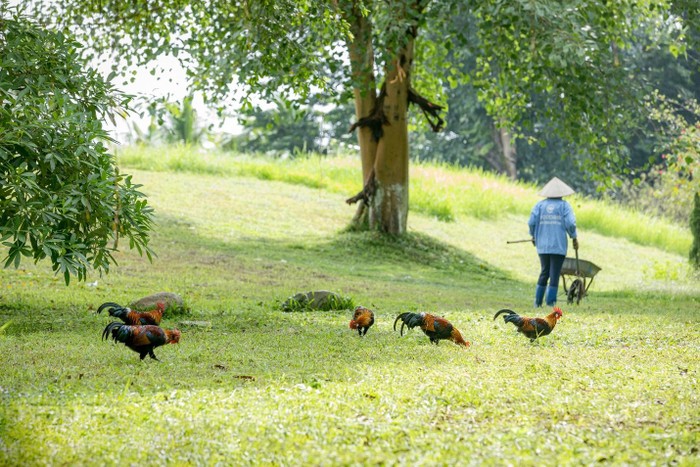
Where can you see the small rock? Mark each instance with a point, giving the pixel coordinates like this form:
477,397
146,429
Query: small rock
173,302
318,300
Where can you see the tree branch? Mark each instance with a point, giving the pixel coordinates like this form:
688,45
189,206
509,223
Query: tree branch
376,118
429,110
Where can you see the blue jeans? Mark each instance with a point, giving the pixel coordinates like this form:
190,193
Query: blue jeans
551,269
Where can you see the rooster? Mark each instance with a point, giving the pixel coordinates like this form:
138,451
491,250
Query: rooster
141,339
435,327
362,320
134,317
531,327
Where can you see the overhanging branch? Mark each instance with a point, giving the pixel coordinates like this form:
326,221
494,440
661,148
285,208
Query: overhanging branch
430,110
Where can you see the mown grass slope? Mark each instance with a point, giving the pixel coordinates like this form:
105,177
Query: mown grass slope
616,382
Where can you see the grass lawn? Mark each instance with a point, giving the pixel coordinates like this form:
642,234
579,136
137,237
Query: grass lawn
615,383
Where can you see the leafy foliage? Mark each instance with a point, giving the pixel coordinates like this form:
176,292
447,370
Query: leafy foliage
183,126
170,122
317,301
287,129
271,47
61,196
668,188
570,56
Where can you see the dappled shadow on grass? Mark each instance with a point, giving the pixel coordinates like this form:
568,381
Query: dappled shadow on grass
255,366
230,276
346,252
414,270
414,249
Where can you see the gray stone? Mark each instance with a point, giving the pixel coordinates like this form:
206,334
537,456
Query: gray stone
173,302
317,300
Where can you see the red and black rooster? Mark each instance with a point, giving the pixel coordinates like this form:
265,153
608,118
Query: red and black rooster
531,327
141,339
362,320
134,317
435,327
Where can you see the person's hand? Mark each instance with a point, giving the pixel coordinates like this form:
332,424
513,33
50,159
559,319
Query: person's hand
576,244
533,241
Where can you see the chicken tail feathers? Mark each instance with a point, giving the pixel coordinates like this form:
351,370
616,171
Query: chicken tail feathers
119,331
108,305
109,328
114,309
409,319
506,311
510,317
401,317
398,318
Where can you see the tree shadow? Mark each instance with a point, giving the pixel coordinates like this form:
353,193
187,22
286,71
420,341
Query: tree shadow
359,251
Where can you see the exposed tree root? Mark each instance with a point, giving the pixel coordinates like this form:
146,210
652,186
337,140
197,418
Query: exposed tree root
367,192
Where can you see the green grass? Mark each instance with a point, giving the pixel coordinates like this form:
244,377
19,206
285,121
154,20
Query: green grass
615,383
437,190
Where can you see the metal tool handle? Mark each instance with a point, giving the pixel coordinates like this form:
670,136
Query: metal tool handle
578,269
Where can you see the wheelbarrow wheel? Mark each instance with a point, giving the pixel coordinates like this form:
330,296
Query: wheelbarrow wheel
575,292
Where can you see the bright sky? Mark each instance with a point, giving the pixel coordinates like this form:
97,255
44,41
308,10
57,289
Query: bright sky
146,86
171,84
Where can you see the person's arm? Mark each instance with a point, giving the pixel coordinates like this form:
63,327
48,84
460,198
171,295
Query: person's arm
532,222
570,223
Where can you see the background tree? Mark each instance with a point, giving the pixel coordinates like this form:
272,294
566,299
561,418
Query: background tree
290,129
183,124
169,122
61,195
569,54
471,136
695,229
287,129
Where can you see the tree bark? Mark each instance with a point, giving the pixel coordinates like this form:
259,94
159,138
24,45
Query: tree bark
389,207
361,54
382,125
504,158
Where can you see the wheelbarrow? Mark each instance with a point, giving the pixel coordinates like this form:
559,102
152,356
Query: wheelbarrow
583,273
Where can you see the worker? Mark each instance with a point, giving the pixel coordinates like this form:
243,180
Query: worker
551,220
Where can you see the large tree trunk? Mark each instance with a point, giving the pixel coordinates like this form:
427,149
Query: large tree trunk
383,134
389,206
383,126
365,93
503,158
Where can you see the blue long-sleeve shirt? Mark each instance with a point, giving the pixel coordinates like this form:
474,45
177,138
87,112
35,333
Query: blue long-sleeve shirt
550,220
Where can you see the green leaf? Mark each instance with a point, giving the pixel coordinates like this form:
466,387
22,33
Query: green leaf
53,160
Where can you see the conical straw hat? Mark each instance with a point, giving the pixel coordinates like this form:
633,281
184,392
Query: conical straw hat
555,188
